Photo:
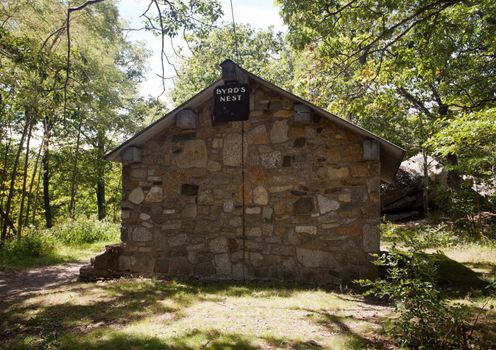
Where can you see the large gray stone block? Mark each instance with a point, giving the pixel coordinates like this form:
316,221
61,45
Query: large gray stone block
141,234
327,204
186,119
279,131
371,149
131,155
231,153
302,113
315,258
136,196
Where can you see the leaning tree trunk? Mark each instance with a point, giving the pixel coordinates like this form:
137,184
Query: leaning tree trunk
37,192
3,178
100,185
6,213
72,203
426,181
46,176
33,179
24,182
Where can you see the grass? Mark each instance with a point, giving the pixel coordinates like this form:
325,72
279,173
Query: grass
481,258
70,241
62,253
142,313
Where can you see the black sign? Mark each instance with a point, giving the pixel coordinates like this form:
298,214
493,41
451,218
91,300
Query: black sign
231,103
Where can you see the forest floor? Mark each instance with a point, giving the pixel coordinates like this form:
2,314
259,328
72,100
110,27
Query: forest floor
48,308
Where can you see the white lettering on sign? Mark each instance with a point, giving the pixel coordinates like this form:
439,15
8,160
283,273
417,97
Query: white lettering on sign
231,102
230,98
235,90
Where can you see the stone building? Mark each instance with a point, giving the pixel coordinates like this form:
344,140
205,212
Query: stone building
310,207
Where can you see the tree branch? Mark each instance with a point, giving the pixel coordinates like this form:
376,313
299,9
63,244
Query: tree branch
68,31
339,10
414,101
366,48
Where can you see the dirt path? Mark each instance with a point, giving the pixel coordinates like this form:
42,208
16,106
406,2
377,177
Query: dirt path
14,284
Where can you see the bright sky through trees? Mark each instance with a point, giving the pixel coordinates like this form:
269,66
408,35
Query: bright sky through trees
258,13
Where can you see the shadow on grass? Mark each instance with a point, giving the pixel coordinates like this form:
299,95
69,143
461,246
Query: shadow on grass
199,340
83,309
193,340
454,278
457,279
341,325
487,269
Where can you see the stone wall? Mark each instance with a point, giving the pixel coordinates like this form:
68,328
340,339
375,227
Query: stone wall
311,202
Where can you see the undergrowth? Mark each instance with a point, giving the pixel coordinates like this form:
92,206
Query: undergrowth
72,240
426,317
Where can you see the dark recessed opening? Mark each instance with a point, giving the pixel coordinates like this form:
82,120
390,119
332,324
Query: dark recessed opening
299,142
286,161
189,190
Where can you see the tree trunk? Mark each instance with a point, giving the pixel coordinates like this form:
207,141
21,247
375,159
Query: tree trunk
454,177
4,177
46,176
7,221
426,181
72,203
12,182
33,179
100,185
24,182
35,203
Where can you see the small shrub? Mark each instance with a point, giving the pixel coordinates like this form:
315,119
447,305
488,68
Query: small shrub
467,210
432,236
426,320
85,230
33,244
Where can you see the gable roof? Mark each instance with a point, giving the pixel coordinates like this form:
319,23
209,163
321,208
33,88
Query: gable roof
390,154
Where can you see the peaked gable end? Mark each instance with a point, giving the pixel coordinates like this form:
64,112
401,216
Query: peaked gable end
390,155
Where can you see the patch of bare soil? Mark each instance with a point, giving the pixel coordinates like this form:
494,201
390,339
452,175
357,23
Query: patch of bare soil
14,284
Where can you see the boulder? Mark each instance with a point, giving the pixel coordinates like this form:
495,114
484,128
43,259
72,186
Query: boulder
403,198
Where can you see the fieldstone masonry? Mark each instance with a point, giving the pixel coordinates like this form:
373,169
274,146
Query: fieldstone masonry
311,210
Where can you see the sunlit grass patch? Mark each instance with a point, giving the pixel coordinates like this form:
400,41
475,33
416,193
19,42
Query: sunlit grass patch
184,315
480,257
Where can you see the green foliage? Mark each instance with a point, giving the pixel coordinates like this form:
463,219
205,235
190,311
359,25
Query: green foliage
78,107
71,240
262,52
472,137
395,67
425,319
34,244
84,230
468,210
